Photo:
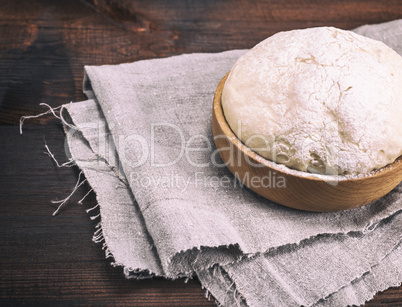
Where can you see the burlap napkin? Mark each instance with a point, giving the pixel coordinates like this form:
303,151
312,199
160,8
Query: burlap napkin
168,207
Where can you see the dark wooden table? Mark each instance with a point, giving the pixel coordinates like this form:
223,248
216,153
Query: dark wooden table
44,45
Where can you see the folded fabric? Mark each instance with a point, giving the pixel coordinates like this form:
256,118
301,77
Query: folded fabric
169,207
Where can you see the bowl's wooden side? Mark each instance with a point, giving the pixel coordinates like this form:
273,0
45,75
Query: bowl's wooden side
300,192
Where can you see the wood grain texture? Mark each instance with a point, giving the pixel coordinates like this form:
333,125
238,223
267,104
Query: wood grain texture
44,45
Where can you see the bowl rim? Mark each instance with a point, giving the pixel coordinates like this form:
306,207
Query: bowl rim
281,168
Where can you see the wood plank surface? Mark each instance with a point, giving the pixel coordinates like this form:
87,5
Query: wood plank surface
44,44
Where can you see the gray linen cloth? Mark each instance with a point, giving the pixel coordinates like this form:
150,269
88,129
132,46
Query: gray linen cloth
168,207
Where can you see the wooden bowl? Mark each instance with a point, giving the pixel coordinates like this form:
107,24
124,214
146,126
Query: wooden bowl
292,188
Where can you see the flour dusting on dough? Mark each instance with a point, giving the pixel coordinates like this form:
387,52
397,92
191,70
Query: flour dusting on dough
321,100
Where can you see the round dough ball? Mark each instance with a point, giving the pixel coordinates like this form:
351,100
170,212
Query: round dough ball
320,100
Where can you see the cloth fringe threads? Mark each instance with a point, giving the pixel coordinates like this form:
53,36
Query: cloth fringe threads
69,163
98,234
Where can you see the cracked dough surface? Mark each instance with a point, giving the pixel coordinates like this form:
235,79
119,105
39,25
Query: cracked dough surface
321,100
